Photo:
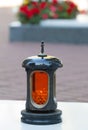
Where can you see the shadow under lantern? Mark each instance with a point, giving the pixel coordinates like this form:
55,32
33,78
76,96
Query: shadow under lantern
41,105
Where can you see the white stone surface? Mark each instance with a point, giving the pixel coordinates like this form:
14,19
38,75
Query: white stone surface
65,23
74,117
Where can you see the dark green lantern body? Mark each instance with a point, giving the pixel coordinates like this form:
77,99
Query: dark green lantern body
41,105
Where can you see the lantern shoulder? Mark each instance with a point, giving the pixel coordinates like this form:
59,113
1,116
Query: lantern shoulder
41,62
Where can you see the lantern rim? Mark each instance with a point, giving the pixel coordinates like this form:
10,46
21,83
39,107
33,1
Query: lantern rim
42,62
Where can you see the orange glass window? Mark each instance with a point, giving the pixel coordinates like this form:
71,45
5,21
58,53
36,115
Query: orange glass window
39,87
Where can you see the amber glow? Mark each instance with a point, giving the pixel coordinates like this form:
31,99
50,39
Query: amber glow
40,87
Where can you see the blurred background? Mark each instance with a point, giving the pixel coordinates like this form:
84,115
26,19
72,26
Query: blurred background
72,79
82,4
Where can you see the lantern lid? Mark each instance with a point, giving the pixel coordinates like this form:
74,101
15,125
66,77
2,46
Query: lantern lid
42,61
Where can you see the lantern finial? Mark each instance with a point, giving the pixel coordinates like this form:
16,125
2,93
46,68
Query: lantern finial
42,50
42,47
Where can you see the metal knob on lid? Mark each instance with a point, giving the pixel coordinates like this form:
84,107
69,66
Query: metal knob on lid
42,50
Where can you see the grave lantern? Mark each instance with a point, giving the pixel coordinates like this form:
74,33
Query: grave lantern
41,105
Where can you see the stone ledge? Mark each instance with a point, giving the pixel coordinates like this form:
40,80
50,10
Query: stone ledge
60,31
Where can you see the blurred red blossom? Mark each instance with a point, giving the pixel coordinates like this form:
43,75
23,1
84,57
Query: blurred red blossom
34,11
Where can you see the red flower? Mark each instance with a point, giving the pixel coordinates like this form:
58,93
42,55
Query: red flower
35,11
55,2
69,11
24,9
72,5
52,8
43,5
45,16
30,14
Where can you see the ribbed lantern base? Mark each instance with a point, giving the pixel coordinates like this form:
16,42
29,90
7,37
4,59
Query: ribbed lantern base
44,118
